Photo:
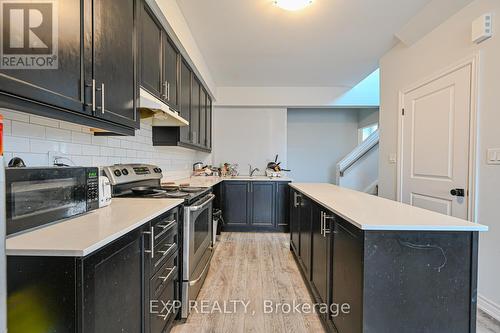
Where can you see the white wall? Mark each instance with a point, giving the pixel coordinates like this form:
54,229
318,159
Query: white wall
317,140
32,138
367,117
249,136
401,67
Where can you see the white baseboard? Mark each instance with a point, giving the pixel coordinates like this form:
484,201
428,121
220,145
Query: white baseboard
490,307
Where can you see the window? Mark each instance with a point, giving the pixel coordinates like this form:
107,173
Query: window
365,132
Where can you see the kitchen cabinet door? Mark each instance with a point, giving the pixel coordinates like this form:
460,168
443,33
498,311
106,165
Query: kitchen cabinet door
347,278
61,87
305,248
262,203
236,202
113,37
112,285
195,110
203,117
320,254
170,73
282,204
295,221
151,62
185,101
209,122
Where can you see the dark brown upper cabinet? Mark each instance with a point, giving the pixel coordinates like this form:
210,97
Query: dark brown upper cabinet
60,87
209,122
114,60
170,77
203,118
194,120
96,67
151,59
185,101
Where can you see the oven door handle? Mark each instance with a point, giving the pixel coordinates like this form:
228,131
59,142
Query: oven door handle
194,282
203,205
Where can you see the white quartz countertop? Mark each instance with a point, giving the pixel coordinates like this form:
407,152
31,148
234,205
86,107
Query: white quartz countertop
84,234
209,181
370,212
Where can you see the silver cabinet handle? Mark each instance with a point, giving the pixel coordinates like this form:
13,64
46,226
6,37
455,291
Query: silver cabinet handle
168,91
326,217
322,224
170,247
171,271
295,204
151,242
164,94
92,85
166,226
102,98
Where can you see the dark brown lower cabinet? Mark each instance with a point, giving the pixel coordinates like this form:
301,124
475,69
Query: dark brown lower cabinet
321,247
385,281
102,292
253,205
118,288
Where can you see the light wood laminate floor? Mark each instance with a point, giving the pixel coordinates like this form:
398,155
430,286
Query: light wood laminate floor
254,267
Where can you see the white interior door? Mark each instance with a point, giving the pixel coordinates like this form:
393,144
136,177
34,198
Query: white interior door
435,144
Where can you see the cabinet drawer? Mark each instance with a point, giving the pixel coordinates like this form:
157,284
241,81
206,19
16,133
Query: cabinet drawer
164,249
164,290
165,228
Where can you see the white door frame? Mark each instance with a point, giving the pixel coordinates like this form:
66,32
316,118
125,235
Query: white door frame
471,181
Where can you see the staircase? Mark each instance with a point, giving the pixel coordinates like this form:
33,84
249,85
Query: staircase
359,169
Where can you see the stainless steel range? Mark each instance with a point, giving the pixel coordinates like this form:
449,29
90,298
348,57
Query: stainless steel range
142,180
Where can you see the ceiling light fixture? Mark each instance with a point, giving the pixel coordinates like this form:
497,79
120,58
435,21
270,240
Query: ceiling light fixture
292,5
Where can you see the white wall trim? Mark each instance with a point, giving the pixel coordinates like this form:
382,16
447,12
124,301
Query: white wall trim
472,61
490,307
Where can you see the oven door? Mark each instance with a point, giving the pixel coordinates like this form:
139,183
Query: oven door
197,236
37,196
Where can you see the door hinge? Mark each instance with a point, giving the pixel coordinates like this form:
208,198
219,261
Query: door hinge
402,112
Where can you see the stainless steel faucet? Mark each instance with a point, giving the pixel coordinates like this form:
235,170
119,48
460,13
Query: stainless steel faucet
252,171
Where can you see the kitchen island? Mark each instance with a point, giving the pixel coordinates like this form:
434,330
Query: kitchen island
391,267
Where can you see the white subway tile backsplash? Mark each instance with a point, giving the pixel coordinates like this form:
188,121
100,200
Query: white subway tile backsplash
99,140
42,146
112,142
33,159
71,148
15,144
70,126
58,134
44,121
79,137
90,150
27,130
107,151
7,127
15,115
38,140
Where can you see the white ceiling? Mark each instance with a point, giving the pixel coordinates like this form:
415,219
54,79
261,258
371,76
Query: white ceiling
330,43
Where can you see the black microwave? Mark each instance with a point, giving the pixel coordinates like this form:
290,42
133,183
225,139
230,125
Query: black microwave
38,196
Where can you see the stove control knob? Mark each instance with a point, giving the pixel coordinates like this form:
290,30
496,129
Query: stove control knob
117,173
159,170
125,172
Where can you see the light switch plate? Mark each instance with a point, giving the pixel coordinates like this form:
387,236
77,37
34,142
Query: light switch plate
392,158
493,156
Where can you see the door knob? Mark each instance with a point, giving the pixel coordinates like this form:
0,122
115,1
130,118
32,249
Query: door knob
457,192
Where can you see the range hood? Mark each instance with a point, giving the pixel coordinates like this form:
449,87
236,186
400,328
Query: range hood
152,107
